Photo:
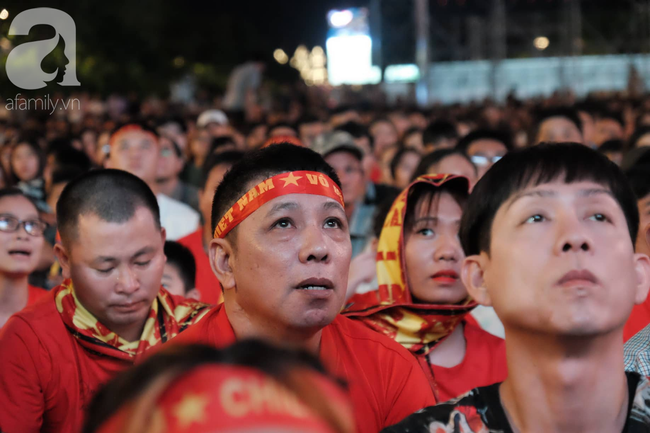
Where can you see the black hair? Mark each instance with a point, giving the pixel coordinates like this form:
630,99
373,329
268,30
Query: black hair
220,141
341,109
66,174
183,260
412,130
69,158
182,359
612,146
484,134
636,136
567,113
437,131
398,157
536,166
261,164
112,195
639,178
356,130
214,159
435,157
382,209
307,118
428,193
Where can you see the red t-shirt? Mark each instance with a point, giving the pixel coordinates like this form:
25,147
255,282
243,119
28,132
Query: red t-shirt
206,282
639,319
34,294
385,382
47,379
484,364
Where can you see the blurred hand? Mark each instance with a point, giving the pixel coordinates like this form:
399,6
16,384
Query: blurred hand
363,269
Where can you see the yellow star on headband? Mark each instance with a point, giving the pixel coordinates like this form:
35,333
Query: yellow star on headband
291,179
191,409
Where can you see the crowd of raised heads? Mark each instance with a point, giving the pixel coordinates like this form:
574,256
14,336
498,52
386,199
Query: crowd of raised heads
326,262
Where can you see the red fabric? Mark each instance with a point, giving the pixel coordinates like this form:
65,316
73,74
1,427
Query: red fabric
639,319
206,282
34,294
484,364
47,378
385,382
293,182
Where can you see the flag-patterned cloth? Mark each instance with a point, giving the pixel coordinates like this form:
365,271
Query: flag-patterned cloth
391,309
167,318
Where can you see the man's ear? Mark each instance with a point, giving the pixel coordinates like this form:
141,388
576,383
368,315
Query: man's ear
642,268
64,259
221,254
472,275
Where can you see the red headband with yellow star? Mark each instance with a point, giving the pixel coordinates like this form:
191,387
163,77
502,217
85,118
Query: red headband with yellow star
294,182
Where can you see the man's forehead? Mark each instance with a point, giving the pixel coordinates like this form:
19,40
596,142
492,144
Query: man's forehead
560,189
299,202
136,136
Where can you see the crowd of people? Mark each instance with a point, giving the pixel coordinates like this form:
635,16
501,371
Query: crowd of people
299,265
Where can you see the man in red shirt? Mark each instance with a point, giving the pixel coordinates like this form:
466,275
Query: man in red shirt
214,169
108,312
282,253
21,241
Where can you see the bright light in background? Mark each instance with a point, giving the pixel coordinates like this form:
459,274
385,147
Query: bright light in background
402,73
340,18
280,56
4,14
541,43
349,60
179,62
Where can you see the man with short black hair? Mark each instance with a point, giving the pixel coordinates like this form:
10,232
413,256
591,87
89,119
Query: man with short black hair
104,317
281,251
549,235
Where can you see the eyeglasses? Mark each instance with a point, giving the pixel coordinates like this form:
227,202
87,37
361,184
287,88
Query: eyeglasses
485,160
32,227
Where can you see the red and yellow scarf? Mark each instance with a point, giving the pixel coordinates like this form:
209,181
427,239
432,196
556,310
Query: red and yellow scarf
390,309
167,318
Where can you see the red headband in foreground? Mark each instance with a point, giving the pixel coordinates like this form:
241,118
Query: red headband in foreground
294,182
129,128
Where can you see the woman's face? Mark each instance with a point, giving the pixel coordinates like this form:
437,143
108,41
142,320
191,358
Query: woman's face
24,162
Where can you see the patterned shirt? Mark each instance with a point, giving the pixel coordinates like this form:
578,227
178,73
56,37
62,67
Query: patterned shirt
637,352
480,411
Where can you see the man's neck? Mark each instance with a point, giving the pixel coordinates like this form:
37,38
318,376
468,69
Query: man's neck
167,186
570,385
13,295
246,326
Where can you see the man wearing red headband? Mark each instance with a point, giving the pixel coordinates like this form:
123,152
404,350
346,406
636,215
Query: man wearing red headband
135,148
107,314
282,253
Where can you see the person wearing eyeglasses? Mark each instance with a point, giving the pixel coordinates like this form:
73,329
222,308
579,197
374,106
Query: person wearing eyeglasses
21,242
485,147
